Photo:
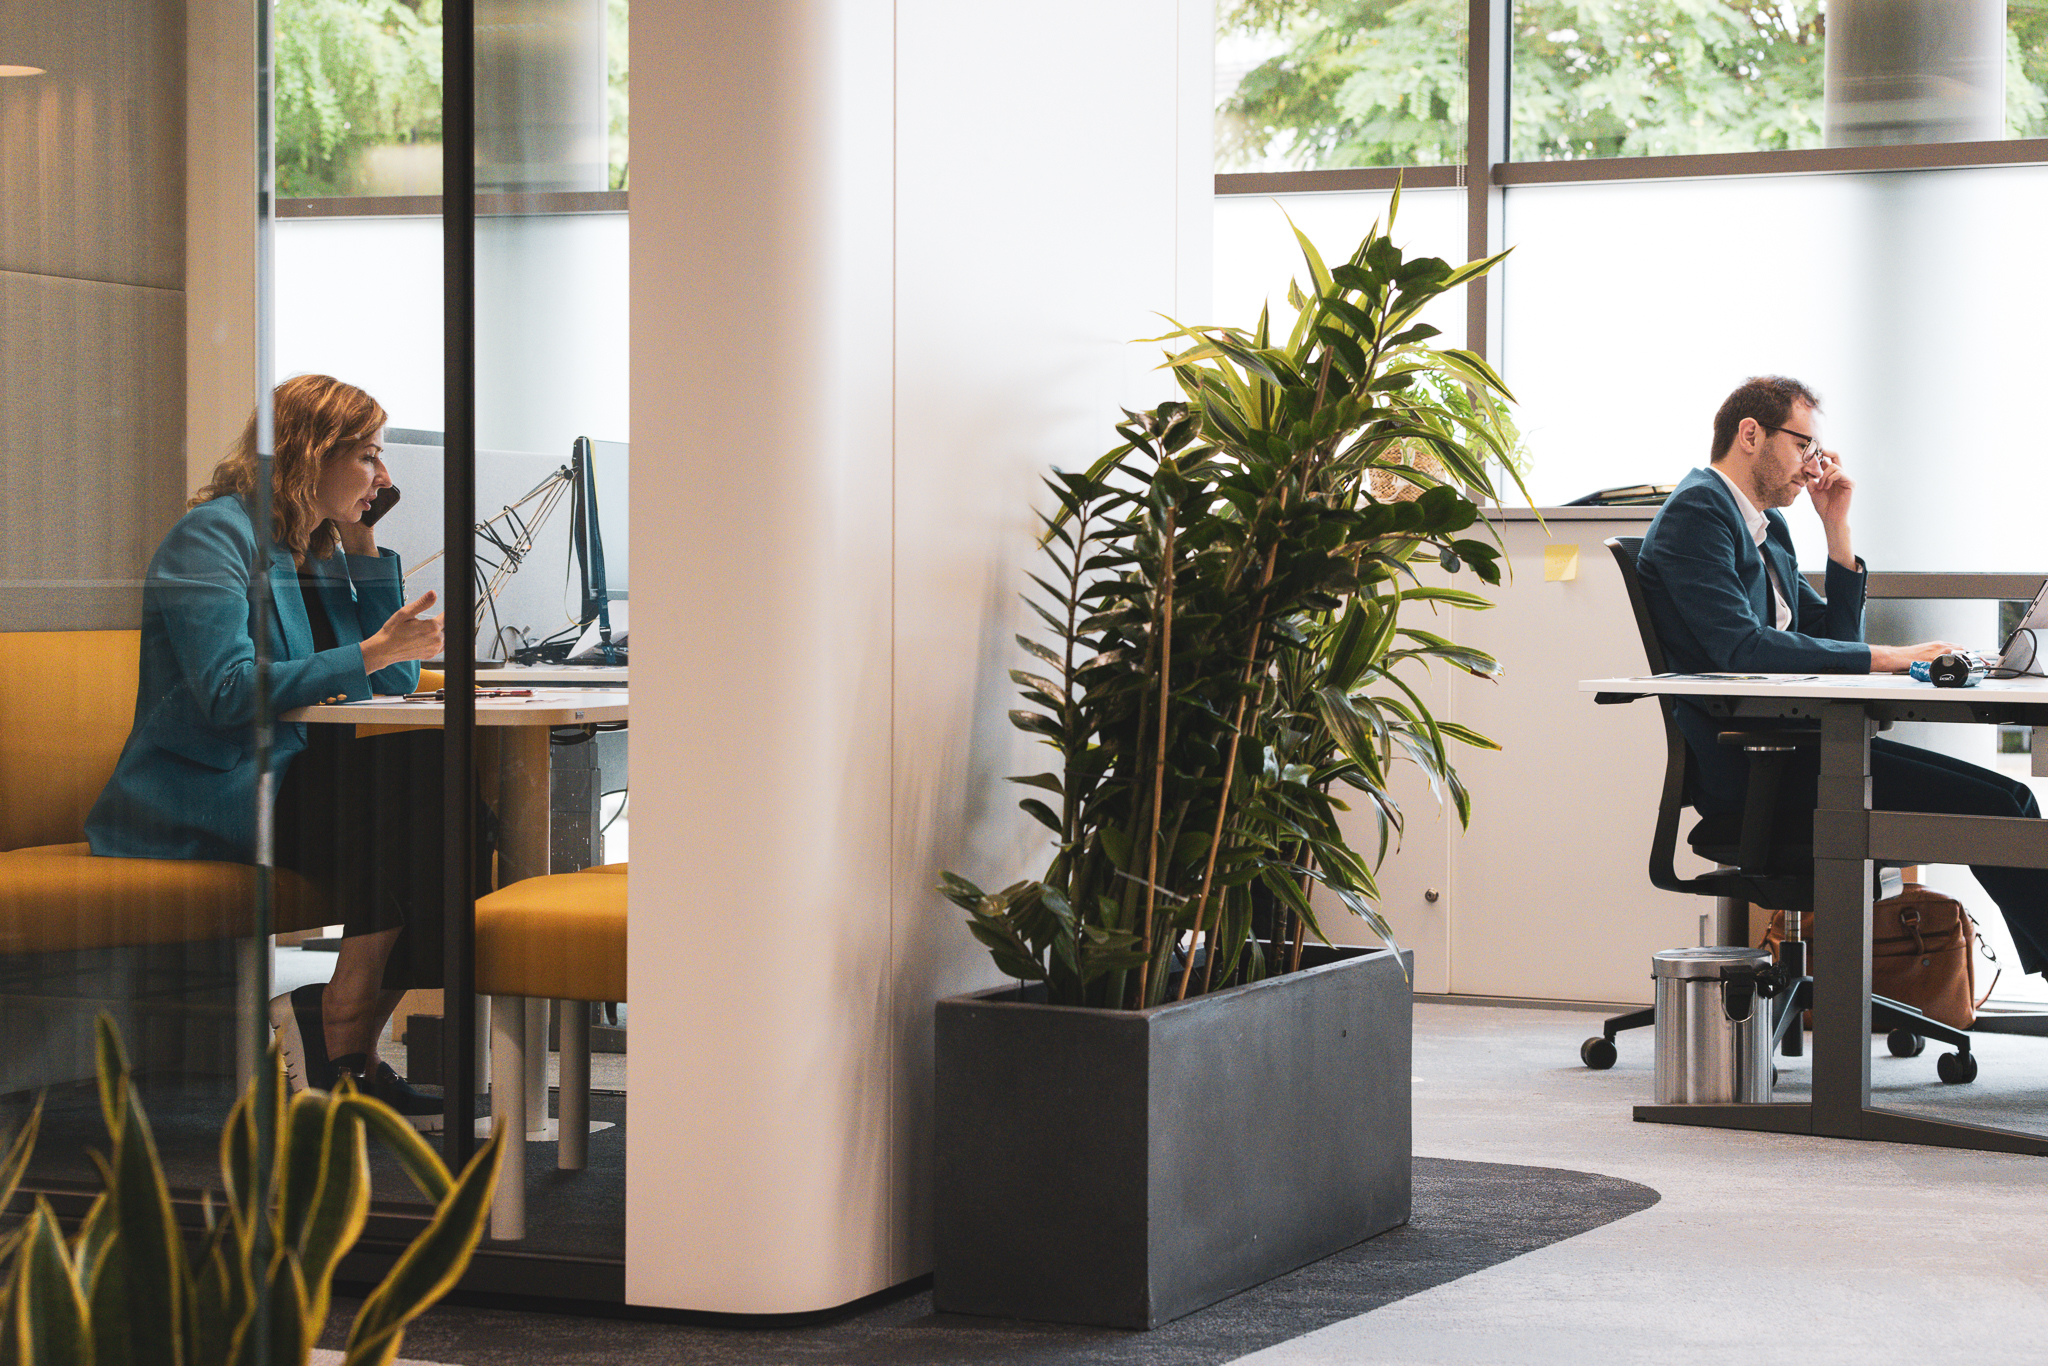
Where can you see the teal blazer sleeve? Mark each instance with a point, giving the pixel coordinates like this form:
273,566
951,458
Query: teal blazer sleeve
185,785
1703,578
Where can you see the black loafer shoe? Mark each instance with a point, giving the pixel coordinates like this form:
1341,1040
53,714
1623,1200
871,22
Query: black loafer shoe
421,1110
303,1038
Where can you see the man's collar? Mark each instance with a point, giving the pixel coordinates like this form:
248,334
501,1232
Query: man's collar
1759,525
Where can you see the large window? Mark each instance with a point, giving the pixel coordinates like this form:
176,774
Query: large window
359,90
1315,84
1337,84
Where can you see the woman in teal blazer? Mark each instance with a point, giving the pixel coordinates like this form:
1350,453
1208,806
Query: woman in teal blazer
333,607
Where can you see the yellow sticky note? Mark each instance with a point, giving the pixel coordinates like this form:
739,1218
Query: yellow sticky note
1560,563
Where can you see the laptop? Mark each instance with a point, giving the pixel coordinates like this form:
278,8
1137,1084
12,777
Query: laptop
2022,646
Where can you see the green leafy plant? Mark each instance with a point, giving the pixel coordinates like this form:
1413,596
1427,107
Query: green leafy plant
351,75
1230,597
130,1287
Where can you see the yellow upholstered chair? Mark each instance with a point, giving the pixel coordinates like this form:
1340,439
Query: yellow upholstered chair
67,699
557,938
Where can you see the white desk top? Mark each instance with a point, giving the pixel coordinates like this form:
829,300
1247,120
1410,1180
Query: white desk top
547,707
1825,687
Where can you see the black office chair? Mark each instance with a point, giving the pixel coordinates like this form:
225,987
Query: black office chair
1760,860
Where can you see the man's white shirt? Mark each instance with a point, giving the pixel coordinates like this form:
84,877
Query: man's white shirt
1759,528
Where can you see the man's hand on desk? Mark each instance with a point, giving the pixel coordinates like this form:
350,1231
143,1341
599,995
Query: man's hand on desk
1896,659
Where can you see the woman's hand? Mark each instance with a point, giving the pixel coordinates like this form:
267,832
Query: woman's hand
407,635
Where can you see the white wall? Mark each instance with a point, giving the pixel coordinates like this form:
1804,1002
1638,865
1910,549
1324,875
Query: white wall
887,257
360,298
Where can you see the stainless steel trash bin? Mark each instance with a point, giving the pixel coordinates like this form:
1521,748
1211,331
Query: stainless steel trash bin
1713,1029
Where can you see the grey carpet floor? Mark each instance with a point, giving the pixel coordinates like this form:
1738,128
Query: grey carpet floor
1468,1216
1763,1246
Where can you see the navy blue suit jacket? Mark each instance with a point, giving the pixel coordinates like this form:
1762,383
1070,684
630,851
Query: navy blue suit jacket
1703,579
185,785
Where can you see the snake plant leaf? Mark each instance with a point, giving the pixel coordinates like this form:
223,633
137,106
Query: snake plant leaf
429,1268
220,1296
51,1323
421,1164
302,1154
18,1152
339,1210
292,1335
101,1268
150,1243
10,1354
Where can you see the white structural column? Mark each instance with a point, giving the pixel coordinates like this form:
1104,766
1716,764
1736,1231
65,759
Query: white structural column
886,260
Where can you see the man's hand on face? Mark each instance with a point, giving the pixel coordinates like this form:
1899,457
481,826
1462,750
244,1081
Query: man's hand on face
1831,491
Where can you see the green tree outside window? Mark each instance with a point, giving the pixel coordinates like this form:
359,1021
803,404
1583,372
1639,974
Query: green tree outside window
358,75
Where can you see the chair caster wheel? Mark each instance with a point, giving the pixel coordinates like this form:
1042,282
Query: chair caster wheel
1598,1053
1904,1043
1956,1068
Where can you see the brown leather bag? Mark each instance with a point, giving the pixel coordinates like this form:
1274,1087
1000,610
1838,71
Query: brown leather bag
1922,953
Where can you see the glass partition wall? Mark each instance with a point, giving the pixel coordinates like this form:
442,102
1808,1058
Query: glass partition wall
153,290
1692,197
137,884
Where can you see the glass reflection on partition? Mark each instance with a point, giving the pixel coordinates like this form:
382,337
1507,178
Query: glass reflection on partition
130,900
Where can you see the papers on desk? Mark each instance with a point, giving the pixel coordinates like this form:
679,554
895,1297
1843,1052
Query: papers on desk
1746,678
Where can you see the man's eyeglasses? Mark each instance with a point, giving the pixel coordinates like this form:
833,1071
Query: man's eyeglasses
1809,447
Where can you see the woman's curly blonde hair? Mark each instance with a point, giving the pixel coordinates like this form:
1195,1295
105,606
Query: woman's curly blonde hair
316,418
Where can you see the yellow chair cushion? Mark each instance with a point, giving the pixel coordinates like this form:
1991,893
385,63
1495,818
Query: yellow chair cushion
618,868
67,699
57,897
562,937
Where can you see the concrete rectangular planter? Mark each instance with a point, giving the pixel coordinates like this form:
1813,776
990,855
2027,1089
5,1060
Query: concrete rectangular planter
1124,1168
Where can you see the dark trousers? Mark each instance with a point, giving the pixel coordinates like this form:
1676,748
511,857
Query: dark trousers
364,820
1907,778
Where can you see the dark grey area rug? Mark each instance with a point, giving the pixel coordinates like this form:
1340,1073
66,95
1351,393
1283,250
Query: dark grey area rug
1468,1216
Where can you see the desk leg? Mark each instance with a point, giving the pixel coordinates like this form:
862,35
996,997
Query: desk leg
1841,903
522,789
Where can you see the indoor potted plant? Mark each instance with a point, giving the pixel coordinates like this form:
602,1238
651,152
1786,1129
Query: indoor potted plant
1188,1091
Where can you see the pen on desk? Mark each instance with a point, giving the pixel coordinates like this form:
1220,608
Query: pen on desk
441,694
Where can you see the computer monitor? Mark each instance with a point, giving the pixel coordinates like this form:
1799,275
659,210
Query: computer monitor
594,475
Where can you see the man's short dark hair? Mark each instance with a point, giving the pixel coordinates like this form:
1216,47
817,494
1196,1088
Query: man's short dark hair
1767,398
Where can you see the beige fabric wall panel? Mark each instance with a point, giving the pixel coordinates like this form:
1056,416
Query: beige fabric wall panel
1038,233
876,289
1553,898
92,152
220,224
90,453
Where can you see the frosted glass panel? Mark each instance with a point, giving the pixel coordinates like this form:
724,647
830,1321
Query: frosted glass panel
1911,302
1256,254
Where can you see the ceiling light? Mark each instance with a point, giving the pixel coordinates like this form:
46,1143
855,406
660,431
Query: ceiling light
21,71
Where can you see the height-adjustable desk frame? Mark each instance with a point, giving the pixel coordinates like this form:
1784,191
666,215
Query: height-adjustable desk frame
1847,836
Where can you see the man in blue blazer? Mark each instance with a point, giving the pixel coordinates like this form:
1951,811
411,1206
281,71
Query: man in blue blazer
1725,595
